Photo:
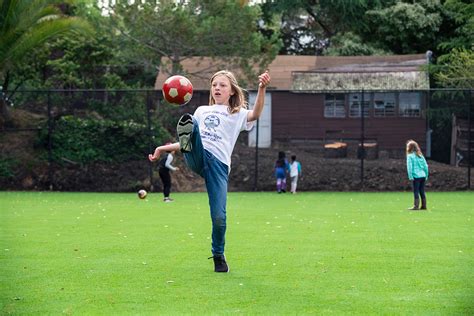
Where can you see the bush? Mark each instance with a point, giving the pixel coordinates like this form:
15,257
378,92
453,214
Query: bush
97,140
6,168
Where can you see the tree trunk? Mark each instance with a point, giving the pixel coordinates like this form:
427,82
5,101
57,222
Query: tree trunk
5,115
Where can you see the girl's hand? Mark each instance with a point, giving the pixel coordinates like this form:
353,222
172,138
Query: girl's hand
264,80
155,155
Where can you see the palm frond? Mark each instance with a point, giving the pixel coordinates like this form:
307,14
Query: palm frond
25,24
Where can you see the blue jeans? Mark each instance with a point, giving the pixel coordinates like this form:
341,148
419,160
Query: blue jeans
216,176
419,187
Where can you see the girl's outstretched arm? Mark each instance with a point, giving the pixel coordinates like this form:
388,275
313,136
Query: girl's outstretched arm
159,149
263,81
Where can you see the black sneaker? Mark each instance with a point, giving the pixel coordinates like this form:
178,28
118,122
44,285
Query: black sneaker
184,130
220,265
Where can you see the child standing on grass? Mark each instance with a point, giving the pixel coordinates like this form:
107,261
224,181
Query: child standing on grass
417,169
295,172
164,170
207,140
281,167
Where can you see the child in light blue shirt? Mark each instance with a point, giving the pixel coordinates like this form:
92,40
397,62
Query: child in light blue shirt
417,169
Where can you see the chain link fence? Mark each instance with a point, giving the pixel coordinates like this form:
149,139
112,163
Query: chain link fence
98,140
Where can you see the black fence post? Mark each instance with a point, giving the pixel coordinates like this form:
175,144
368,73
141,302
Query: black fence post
428,130
469,139
361,149
255,184
50,143
150,137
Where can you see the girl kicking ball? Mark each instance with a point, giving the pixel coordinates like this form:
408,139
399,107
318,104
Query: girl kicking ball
207,139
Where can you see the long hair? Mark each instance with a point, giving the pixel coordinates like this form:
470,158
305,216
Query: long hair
237,100
413,146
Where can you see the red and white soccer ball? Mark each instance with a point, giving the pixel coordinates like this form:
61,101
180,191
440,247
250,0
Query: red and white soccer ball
142,194
177,90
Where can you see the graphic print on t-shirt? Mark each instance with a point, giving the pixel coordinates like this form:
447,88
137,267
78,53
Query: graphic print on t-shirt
211,122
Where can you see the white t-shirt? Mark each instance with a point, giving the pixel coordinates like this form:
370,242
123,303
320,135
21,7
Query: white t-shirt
219,129
294,169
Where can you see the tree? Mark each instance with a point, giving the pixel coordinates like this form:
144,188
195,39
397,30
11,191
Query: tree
224,30
456,70
405,28
350,44
80,62
457,30
24,25
455,62
362,27
308,26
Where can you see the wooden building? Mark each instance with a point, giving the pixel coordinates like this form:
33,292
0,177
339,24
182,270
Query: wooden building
319,98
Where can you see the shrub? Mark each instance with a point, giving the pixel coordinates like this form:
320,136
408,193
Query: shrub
97,140
6,168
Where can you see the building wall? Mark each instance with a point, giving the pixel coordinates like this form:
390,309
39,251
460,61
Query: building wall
300,116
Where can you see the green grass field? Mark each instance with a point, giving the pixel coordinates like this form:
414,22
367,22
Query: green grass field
310,253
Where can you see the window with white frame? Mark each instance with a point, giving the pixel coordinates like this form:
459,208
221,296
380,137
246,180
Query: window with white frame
355,104
334,105
384,104
409,104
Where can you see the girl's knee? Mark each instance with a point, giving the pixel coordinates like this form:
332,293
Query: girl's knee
219,221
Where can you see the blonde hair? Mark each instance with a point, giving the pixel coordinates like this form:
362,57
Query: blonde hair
237,100
413,146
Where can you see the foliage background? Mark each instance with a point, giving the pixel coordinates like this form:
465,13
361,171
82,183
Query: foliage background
126,48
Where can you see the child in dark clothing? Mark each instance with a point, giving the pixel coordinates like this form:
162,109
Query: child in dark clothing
281,168
164,170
